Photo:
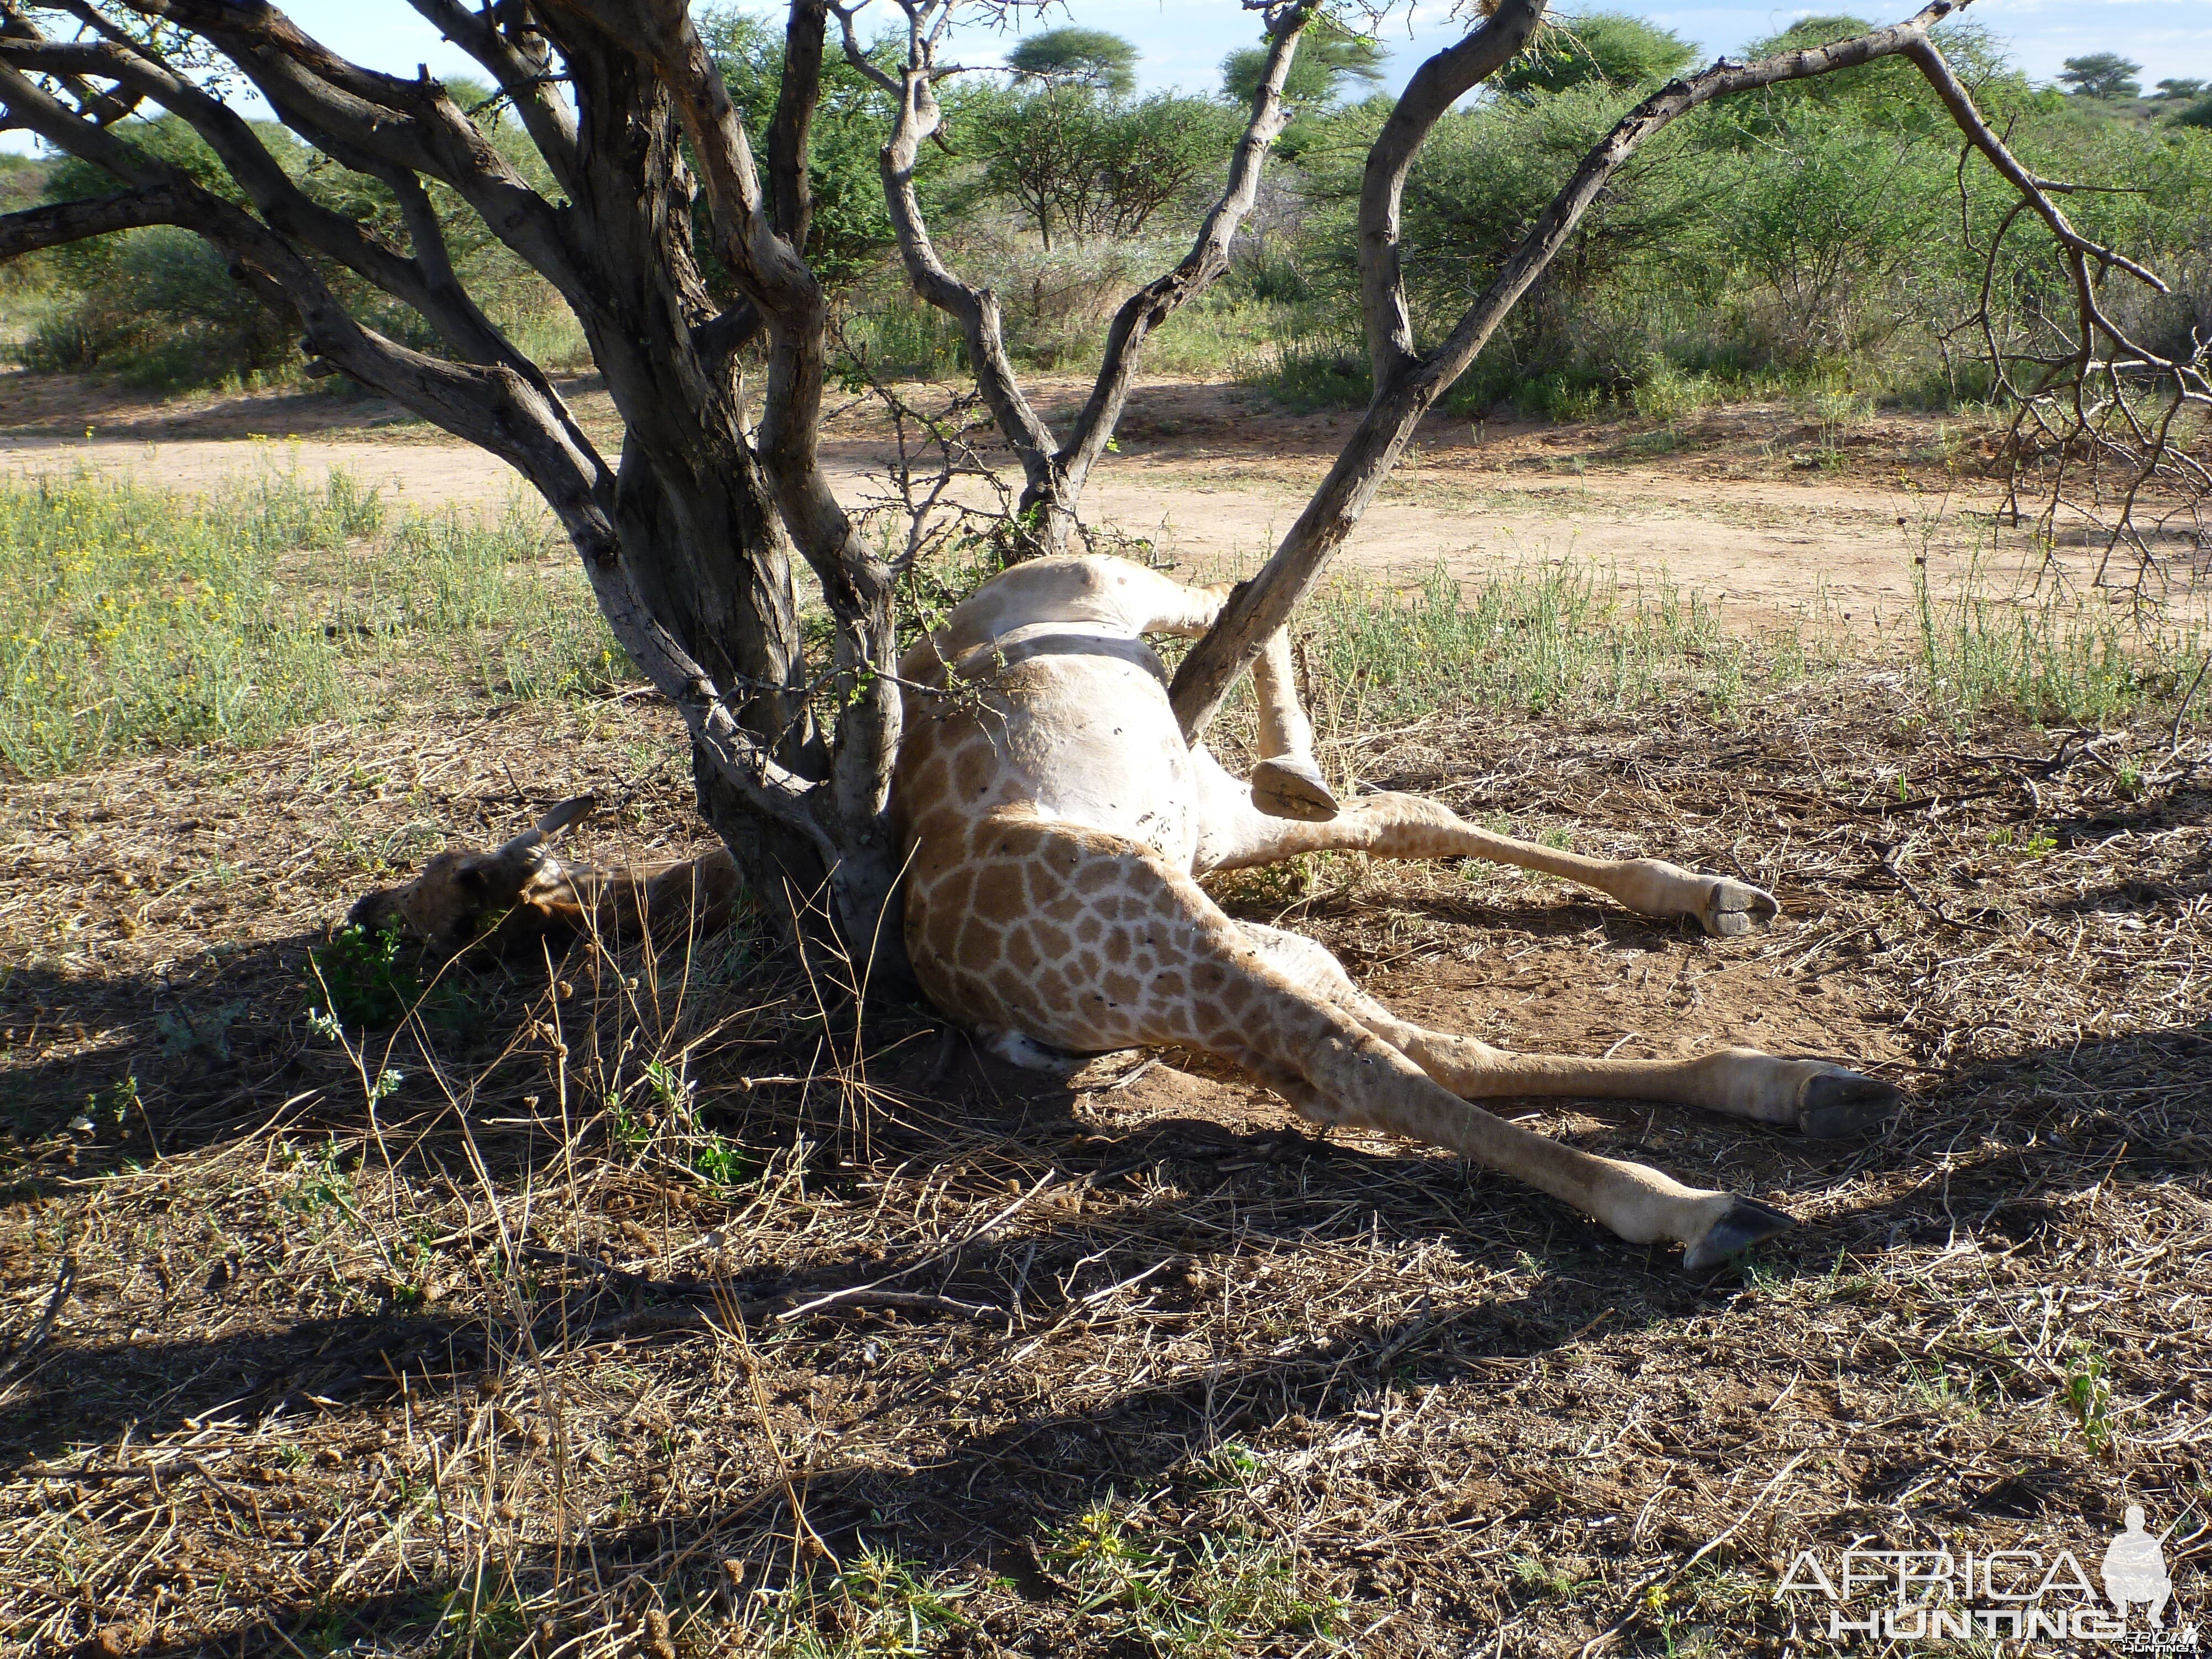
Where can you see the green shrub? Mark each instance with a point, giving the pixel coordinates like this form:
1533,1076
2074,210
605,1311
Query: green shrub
363,979
1320,371
1807,236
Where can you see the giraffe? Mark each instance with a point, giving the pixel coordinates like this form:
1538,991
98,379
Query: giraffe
1055,820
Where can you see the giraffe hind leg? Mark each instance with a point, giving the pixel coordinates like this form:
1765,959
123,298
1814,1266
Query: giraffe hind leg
1822,1100
1400,826
1112,949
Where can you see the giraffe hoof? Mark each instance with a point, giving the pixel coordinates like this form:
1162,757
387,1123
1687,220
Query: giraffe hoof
1842,1105
1732,908
1745,1223
1291,787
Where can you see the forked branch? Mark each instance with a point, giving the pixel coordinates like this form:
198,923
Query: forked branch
1054,472
1409,384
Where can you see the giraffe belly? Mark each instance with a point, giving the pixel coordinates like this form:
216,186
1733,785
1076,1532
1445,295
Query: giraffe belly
1092,741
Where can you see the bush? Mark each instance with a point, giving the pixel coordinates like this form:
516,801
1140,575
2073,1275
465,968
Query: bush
158,307
1808,237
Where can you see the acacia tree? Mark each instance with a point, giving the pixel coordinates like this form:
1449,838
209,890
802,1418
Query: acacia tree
692,536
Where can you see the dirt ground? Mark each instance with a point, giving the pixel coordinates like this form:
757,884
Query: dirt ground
1756,508
623,1306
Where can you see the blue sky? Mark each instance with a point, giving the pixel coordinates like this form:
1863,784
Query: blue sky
1181,42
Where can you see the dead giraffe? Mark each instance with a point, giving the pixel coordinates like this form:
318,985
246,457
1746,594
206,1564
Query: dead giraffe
1053,819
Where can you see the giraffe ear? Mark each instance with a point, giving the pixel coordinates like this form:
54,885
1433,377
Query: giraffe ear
568,812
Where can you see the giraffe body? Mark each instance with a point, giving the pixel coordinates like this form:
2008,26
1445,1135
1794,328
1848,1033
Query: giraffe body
1055,820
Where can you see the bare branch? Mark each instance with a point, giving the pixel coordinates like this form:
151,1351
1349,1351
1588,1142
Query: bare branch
1158,300
427,286
59,222
1407,385
798,95
350,111
918,118
525,72
1435,87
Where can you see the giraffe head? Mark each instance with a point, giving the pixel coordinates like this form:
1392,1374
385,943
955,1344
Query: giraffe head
460,895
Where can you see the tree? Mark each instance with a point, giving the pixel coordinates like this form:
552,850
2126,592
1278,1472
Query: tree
2105,75
1091,59
848,225
1078,164
2173,91
1334,62
1608,46
612,117
2197,114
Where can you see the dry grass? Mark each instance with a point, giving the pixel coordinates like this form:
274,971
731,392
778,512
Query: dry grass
506,1331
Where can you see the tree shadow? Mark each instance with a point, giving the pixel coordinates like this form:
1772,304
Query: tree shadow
2017,1146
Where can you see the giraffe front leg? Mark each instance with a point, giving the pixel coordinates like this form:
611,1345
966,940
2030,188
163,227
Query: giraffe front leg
1286,783
1724,908
1396,826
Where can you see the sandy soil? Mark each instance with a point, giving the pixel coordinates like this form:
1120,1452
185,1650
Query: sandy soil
1753,506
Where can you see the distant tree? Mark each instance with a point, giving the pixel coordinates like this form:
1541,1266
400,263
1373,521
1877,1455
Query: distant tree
1092,58
1608,47
2103,74
1076,163
2176,91
2198,114
1334,61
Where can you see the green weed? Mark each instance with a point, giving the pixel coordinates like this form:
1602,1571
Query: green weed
206,1033
1185,1597
362,980
878,1605
2088,1393
1531,640
134,619
2054,659
727,1163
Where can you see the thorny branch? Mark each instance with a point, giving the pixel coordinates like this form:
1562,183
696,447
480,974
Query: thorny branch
2091,434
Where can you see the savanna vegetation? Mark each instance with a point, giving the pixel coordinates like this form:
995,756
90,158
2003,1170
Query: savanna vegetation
1813,238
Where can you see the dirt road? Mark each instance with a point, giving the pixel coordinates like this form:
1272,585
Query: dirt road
1750,508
